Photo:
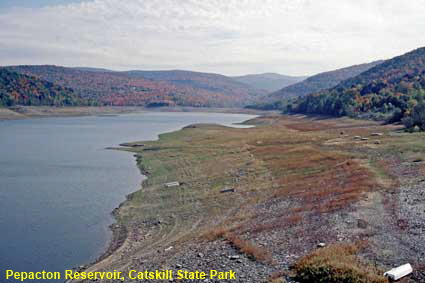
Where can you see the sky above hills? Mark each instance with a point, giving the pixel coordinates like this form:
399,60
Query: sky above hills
294,37
34,3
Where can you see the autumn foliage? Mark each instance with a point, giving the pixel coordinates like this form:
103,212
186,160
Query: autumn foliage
147,88
26,90
388,91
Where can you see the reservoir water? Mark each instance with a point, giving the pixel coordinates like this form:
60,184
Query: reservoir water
58,183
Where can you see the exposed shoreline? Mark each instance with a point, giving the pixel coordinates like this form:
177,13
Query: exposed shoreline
165,226
25,112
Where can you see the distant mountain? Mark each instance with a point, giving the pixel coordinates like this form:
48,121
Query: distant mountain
27,90
393,88
147,88
320,81
268,81
204,81
91,69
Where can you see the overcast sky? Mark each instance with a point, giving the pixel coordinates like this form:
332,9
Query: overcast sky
294,37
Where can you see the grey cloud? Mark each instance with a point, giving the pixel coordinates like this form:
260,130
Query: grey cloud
226,36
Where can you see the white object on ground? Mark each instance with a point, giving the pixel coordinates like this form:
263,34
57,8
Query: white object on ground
399,272
172,184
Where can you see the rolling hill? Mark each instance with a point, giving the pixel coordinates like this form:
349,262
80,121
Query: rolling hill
268,81
147,88
320,81
27,90
392,88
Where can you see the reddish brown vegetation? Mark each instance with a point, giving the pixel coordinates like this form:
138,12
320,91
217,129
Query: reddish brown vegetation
26,90
250,249
321,181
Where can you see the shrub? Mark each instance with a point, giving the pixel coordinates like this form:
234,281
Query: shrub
397,116
336,264
418,115
408,122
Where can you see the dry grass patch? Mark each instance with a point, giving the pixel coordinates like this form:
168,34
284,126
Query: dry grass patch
323,181
338,263
251,250
215,233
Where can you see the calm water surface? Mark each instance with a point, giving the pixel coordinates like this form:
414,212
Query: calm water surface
58,184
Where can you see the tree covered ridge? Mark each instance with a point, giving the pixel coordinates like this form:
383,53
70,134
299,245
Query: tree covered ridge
27,90
390,91
321,81
147,88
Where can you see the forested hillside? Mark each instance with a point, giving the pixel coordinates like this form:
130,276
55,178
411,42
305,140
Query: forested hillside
320,81
392,90
269,81
26,90
147,88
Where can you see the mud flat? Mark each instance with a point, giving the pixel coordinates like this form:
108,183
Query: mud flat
6,114
22,112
